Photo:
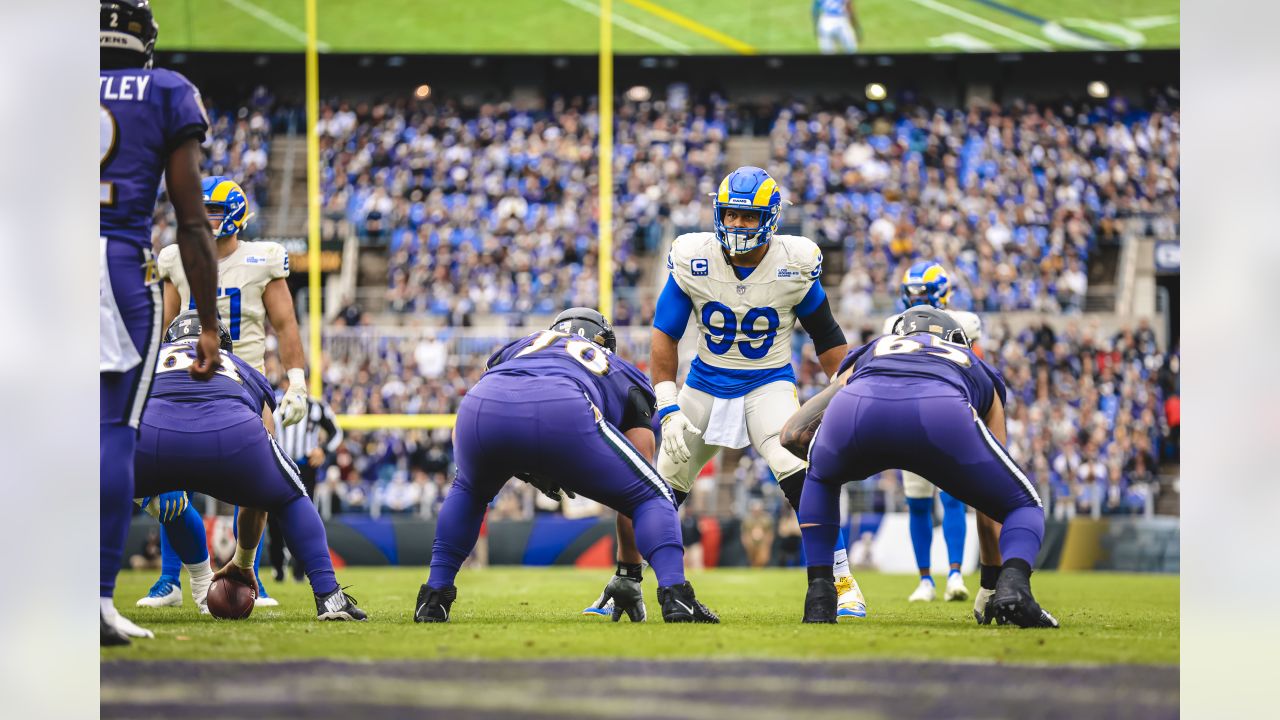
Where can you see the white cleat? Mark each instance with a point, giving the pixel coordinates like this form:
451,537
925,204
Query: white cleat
924,592
981,612
955,588
264,601
126,626
164,593
849,601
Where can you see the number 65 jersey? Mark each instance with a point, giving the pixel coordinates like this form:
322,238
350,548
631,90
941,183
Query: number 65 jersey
899,360
242,278
745,322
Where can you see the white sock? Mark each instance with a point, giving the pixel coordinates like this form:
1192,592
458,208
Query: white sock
244,557
841,567
200,569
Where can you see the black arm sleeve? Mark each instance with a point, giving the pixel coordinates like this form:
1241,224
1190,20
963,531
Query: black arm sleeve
823,328
639,410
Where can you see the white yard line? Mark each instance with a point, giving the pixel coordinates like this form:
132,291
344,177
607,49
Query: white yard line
631,27
985,24
275,21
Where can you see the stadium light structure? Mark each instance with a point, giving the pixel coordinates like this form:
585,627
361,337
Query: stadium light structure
422,92
1098,89
639,93
876,91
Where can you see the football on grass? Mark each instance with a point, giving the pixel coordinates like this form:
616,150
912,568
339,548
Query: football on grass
230,600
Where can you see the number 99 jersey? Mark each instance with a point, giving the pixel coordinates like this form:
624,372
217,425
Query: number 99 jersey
746,322
242,279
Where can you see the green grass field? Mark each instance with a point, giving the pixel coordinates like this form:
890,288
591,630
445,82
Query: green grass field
532,613
663,26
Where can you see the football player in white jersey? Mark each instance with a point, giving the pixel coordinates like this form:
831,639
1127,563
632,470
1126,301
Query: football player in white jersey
836,23
251,290
927,283
746,287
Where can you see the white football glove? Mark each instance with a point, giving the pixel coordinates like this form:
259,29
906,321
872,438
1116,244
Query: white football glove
293,407
674,423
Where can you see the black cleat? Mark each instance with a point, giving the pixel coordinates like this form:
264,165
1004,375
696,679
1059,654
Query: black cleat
679,605
1013,603
820,601
434,603
337,605
110,636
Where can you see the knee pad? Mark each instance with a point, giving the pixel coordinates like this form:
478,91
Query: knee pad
791,486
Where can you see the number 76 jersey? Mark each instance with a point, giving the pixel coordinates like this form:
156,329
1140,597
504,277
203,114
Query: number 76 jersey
745,323
242,279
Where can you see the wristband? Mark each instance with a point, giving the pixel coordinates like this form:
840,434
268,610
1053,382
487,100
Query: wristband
297,376
665,393
663,412
628,570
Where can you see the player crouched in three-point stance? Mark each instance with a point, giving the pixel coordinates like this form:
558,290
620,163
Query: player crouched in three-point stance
927,283
745,287
561,410
151,122
208,437
921,400
251,290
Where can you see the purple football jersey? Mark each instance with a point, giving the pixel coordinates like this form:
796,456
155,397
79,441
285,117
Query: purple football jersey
144,116
235,380
927,357
606,378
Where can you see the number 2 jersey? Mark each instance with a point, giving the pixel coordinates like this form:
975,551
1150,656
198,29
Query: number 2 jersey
745,321
235,381
242,279
144,115
892,358
607,380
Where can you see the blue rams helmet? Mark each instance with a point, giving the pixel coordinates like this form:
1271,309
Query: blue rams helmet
226,204
186,328
747,188
126,33
926,283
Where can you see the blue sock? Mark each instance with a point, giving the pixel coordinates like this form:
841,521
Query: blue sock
953,528
182,541
920,511
116,444
304,534
1022,533
456,531
658,539
820,510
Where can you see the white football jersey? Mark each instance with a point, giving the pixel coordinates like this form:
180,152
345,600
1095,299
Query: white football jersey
745,324
242,279
969,322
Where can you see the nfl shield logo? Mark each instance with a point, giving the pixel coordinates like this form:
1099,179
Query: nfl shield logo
742,289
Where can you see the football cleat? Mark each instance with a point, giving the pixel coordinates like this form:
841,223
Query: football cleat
263,599
924,592
1013,603
983,611
434,604
109,635
849,600
166,592
125,626
338,605
680,605
955,588
820,602
601,608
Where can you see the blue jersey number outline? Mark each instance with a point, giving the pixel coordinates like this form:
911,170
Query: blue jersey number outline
722,336
234,296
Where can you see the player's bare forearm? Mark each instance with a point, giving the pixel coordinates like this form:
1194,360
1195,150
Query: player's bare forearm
798,430
195,239
995,421
664,357
249,527
831,359
989,541
279,304
172,303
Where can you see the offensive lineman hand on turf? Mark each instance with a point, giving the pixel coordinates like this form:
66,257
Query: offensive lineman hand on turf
627,597
674,425
546,488
208,356
293,407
